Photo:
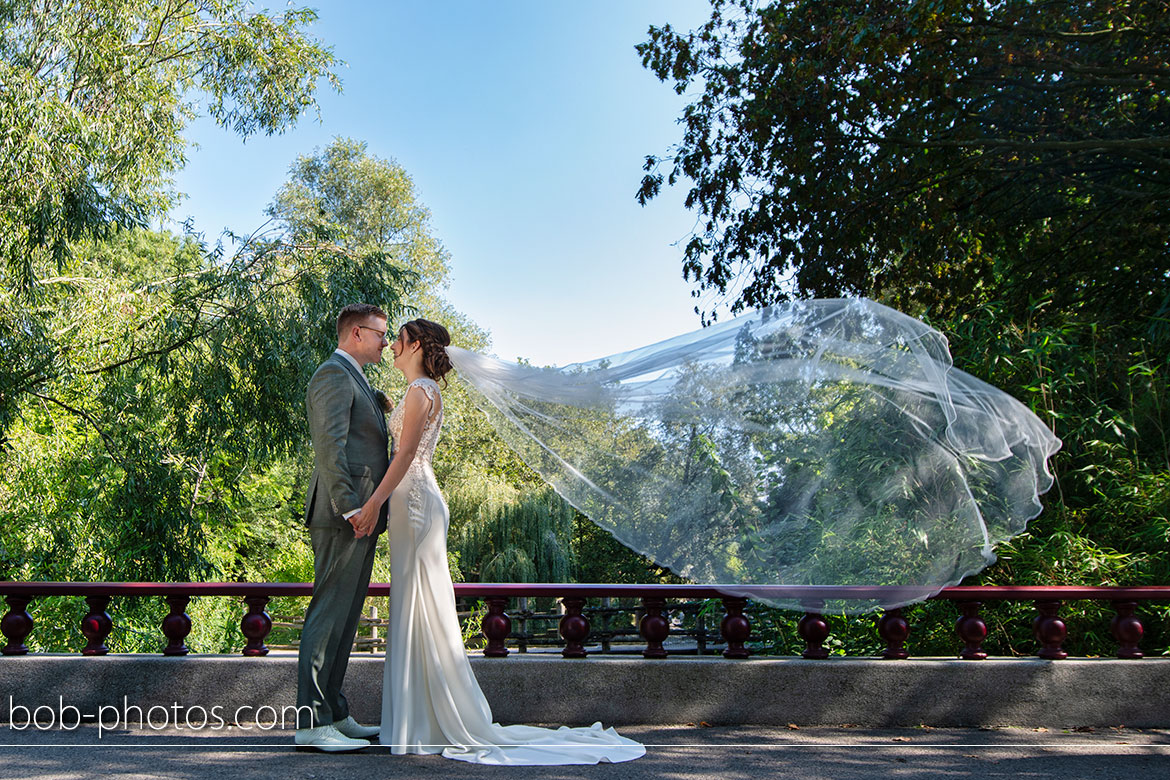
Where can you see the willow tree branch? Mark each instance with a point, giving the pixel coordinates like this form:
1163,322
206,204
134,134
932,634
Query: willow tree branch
88,418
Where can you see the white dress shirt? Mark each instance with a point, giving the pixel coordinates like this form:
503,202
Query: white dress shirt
353,362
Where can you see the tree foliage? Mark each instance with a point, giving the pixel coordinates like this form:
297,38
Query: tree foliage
95,98
998,168
937,153
178,373
147,377
370,202
152,367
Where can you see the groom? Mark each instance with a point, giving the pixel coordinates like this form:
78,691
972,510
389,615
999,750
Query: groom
351,454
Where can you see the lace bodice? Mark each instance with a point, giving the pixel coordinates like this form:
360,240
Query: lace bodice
431,428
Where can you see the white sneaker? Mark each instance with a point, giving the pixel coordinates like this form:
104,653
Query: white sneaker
328,739
351,728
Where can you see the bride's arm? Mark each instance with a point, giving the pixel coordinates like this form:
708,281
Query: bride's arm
416,406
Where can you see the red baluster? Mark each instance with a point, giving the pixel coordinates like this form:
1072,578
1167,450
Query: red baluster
1049,631
654,627
894,629
574,627
496,626
16,625
972,630
255,625
177,625
735,628
1127,629
815,630
96,625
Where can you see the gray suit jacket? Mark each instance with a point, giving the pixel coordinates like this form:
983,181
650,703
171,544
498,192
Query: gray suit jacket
350,444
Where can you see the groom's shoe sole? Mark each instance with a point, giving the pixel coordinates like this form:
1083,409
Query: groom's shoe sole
370,735
329,748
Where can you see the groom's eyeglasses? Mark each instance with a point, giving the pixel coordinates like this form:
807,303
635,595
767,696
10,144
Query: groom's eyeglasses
381,333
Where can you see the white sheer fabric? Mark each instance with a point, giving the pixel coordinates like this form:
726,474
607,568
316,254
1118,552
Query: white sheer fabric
819,443
431,701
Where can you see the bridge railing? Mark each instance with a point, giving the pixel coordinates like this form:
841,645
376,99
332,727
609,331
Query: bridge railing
574,627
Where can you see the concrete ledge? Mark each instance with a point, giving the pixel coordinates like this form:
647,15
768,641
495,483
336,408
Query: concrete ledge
621,691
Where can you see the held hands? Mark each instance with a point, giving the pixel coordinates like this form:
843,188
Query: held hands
414,417
364,521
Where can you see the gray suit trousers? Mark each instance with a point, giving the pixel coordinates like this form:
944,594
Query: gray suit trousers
341,569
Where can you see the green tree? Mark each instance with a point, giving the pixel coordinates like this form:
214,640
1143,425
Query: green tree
96,96
937,153
367,204
94,102
157,444
998,168
122,458
522,540
369,201
181,375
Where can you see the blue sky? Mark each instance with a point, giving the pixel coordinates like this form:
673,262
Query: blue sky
523,125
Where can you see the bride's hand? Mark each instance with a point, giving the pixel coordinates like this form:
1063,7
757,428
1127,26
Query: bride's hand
365,521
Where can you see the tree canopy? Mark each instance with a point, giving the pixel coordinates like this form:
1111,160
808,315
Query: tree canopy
368,202
935,154
145,372
999,168
96,97
93,102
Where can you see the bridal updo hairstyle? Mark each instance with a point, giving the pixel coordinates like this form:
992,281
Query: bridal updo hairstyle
434,339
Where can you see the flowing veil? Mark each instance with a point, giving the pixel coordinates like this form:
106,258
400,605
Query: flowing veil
819,454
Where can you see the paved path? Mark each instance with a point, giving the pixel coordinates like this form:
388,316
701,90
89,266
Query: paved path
674,752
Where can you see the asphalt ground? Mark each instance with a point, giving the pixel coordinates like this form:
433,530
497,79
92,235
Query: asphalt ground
691,752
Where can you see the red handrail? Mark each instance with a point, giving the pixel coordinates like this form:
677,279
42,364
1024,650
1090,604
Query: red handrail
1049,629
598,590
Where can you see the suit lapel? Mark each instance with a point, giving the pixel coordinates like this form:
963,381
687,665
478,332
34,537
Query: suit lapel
361,382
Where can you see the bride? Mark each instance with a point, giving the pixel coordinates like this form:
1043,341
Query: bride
431,702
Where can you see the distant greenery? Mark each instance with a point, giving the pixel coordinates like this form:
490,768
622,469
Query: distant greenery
998,169
167,440
146,379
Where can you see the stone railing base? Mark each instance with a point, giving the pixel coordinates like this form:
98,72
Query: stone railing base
615,691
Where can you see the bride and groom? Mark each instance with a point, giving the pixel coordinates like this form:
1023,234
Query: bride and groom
831,421
431,701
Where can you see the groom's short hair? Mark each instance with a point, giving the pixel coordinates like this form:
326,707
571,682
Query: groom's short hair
356,314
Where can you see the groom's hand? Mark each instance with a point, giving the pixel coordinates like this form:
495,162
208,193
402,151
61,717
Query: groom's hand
355,522
364,521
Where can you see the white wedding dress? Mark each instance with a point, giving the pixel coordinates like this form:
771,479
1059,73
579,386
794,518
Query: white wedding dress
431,701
